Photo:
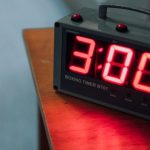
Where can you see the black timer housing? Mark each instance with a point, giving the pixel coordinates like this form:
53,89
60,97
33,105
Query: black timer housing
104,60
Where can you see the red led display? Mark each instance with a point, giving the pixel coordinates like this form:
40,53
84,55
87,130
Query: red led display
86,56
110,63
113,63
137,83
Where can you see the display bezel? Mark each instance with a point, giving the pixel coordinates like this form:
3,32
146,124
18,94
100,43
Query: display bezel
106,98
137,49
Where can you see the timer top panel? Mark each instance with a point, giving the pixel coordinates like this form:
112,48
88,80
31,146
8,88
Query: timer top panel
138,29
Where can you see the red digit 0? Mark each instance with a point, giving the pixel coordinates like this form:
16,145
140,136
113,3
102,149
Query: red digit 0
123,67
141,72
87,57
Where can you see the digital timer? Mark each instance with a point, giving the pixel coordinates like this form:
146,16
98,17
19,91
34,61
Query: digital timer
110,59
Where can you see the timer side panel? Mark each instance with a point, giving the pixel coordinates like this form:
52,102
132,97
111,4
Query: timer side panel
57,55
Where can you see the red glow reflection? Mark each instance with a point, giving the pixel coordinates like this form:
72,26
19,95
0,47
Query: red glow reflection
77,125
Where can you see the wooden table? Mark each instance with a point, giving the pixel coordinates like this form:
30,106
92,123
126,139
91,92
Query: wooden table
74,124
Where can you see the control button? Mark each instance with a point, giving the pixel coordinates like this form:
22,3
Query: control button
76,17
121,28
129,95
144,102
113,93
128,98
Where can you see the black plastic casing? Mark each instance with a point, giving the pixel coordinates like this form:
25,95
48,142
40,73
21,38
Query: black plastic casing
97,91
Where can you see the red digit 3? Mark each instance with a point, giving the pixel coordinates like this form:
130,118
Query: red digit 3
85,56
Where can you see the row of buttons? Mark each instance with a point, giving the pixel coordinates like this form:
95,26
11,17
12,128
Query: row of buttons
119,27
128,98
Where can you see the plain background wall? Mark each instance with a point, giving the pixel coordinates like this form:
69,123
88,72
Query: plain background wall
18,100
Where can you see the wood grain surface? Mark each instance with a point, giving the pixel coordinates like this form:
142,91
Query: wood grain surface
74,124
